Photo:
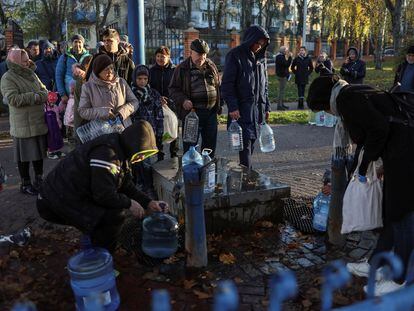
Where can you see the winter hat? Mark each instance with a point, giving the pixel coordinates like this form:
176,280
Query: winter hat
200,46
47,44
100,63
15,56
410,49
319,94
141,70
77,37
352,48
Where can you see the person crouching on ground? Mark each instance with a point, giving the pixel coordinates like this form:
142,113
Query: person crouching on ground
364,116
92,187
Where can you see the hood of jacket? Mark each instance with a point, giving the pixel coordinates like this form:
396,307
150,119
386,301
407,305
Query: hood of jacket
134,75
27,73
252,35
109,84
352,48
121,51
138,139
170,65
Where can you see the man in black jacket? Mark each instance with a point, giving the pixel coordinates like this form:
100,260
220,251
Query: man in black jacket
159,79
92,186
405,72
283,62
302,67
354,68
124,66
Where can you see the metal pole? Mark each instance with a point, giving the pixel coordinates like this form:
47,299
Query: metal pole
136,29
305,14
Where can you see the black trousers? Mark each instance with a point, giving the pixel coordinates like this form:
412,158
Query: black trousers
245,156
301,90
106,232
207,127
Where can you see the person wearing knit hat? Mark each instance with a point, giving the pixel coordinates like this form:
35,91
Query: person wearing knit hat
106,96
46,67
64,75
404,77
353,70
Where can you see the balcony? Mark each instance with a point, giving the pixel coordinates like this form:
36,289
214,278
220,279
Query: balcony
83,17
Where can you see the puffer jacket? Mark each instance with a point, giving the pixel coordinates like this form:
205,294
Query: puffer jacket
160,78
354,71
245,82
99,97
96,177
64,73
19,86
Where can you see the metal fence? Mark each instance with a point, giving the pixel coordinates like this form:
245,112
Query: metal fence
219,44
172,38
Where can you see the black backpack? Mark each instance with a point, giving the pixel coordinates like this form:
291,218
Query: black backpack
405,104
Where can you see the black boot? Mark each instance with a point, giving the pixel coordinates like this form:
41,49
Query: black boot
281,107
27,188
300,104
286,107
38,182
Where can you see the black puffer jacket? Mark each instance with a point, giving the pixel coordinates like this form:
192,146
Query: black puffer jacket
124,66
96,177
160,78
302,67
282,65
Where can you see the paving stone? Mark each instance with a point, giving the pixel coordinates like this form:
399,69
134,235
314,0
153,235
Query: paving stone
305,262
250,299
251,290
310,246
358,253
315,259
367,244
320,250
250,270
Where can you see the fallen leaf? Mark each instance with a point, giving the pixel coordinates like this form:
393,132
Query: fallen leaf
293,245
201,295
171,260
306,303
14,254
265,224
248,253
47,252
227,259
188,284
238,280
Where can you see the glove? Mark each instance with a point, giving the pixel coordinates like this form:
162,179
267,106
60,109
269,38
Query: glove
362,179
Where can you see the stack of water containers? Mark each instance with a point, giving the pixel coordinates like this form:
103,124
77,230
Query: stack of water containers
93,278
96,128
321,205
235,136
190,130
210,175
322,118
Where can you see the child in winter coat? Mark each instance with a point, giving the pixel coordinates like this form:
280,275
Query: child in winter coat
57,109
150,106
69,111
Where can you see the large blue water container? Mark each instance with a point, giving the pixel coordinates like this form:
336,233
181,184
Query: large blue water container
93,278
321,211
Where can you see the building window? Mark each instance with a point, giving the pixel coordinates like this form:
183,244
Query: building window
117,10
204,17
235,18
85,32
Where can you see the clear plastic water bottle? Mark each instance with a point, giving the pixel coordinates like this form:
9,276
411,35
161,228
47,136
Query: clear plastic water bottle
321,211
93,278
190,131
312,118
159,235
320,118
330,120
192,156
210,177
24,306
96,128
235,136
266,138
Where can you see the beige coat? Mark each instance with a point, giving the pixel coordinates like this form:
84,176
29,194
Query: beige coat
19,86
99,97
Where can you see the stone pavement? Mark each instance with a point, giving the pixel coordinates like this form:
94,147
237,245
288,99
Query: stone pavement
301,157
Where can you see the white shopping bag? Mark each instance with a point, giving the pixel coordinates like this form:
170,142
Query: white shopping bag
362,204
170,125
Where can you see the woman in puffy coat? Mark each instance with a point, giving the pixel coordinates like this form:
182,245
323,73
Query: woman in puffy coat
105,95
25,94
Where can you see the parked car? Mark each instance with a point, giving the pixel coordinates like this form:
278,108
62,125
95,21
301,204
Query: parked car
388,52
177,54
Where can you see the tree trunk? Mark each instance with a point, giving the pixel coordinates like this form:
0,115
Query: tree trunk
299,4
210,19
396,22
246,14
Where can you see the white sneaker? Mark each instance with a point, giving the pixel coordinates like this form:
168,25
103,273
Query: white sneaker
384,287
361,269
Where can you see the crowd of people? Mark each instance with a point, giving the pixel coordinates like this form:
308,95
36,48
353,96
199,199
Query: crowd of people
91,186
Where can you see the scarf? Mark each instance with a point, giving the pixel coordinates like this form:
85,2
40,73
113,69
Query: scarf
342,144
142,93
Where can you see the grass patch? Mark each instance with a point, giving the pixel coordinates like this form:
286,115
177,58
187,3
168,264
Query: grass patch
4,135
280,117
380,78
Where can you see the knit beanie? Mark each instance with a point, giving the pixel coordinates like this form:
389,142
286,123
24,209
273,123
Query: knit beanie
319,94
141,70
200,46
77,37
100,63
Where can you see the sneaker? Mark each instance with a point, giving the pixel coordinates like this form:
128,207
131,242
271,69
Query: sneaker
52,155
28,189
362,268
384,287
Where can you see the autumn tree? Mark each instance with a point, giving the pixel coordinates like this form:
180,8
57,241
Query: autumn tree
395,7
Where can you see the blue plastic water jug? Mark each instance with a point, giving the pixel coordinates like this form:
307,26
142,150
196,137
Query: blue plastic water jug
210,174
93,278
159,235
320,118
192,156
321,211
330,120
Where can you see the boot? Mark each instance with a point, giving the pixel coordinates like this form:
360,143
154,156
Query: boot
300,104
38,182
281,107
26,187
284,106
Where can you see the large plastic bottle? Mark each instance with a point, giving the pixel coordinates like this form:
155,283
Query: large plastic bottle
235,136
210,176
266,138
320,118
159,235
330,120
312,117
321,211
96,128
93,278
191,156
190,131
